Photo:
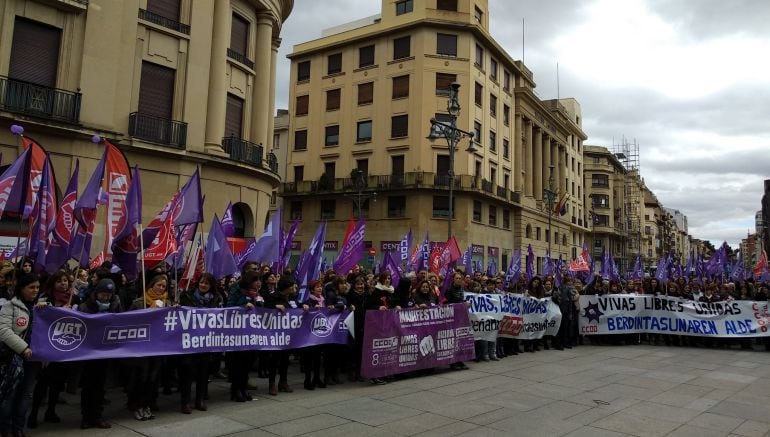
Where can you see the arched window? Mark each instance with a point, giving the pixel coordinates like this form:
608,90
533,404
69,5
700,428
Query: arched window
243,220
528,231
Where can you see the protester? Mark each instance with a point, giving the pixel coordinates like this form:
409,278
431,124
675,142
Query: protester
244,294
311,356
279,359
455,294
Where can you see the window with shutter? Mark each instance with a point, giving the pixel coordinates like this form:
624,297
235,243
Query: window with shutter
333,99
303,71
442,165
239,35
446,44
34,52
165,8
479,56
365,56
332,135
364,131
156,90
478,94
446,5
234,116
397,165
299,173
302,105
401,47
443,83
365,93
399,126
401,87
335,63
300,140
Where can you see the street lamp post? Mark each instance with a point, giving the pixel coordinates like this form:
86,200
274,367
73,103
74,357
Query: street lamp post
550,198
359,183
453,135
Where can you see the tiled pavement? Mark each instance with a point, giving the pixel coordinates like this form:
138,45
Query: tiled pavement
588,391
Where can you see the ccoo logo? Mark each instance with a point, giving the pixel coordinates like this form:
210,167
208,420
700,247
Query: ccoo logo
67,334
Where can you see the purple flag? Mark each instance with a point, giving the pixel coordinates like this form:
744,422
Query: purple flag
614,270
286,245
661,274
89,199
265,248
13,184
184,235
547,264
44,216
125,245
189,204
638,272
514,268
738,271
352,250
492,267
228,227
218,258
405,246
468,260
530,263
59,250
390,265
309,269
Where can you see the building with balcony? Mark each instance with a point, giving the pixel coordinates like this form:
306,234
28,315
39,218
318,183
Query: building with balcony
361,100
176,87
681,247
652,244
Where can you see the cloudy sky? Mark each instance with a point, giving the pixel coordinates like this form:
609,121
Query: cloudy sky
687,80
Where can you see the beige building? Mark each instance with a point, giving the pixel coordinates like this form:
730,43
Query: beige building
361,99
652,244
604,180
176,84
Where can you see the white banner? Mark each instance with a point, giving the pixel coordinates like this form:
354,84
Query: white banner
630,314
512,316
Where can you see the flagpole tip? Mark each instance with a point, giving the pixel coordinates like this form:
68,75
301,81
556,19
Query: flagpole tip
17,129
96,139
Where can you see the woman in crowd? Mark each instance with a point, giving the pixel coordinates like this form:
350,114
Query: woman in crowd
334,354
311,356
144,371
18,374
244,294
357,299
282,300
534,289
195,367
103,299
52,376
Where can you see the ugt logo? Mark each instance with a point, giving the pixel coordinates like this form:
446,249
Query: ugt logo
67,333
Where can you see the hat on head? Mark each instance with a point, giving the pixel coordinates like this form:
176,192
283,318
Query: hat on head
105,286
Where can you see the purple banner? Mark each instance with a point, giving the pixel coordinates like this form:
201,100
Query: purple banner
407,340
67,335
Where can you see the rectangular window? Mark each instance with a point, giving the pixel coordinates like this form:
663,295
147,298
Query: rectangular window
492,215
506,115
442,165
334,64
303,71
332,135
506,181
506,81
296,210
479,56
365,56
600,180
328,209
401,47
365,93
506,219
299,173
446,5
164,8
396,206
302,105
401,87
446,44
397,165
647,230
404,7
477,132
333,99
399,126
478,15
34,55
493,69
156,90
603,220
239,35
493,105
363,166
537,235
300,140
492,141
234,116
441,207
443,83
330,169
493,174
506,149
477,211
364,131
600,200
478,94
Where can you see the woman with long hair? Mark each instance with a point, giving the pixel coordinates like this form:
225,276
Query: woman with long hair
357,299
281,300
244,294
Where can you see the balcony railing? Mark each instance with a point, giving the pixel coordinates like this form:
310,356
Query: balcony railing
443,181
240,57
39,101
249,153
160,20
486,186
390,181
502,192
157,129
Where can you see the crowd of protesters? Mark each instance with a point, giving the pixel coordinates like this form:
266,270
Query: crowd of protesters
27,385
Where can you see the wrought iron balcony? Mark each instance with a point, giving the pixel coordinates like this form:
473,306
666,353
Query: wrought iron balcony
249,153
502,192
390,181
486,186
158,130
39,101
240,57
160,20
443,181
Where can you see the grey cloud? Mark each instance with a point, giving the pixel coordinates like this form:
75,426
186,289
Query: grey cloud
711,18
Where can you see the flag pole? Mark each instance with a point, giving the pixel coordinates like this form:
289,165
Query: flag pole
141,257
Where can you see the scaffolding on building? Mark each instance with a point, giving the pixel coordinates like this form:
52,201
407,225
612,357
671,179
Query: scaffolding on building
627,152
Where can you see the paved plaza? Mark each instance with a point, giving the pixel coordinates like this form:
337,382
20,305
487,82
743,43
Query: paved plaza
588,391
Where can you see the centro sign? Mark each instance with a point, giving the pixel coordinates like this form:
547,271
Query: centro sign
126,334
